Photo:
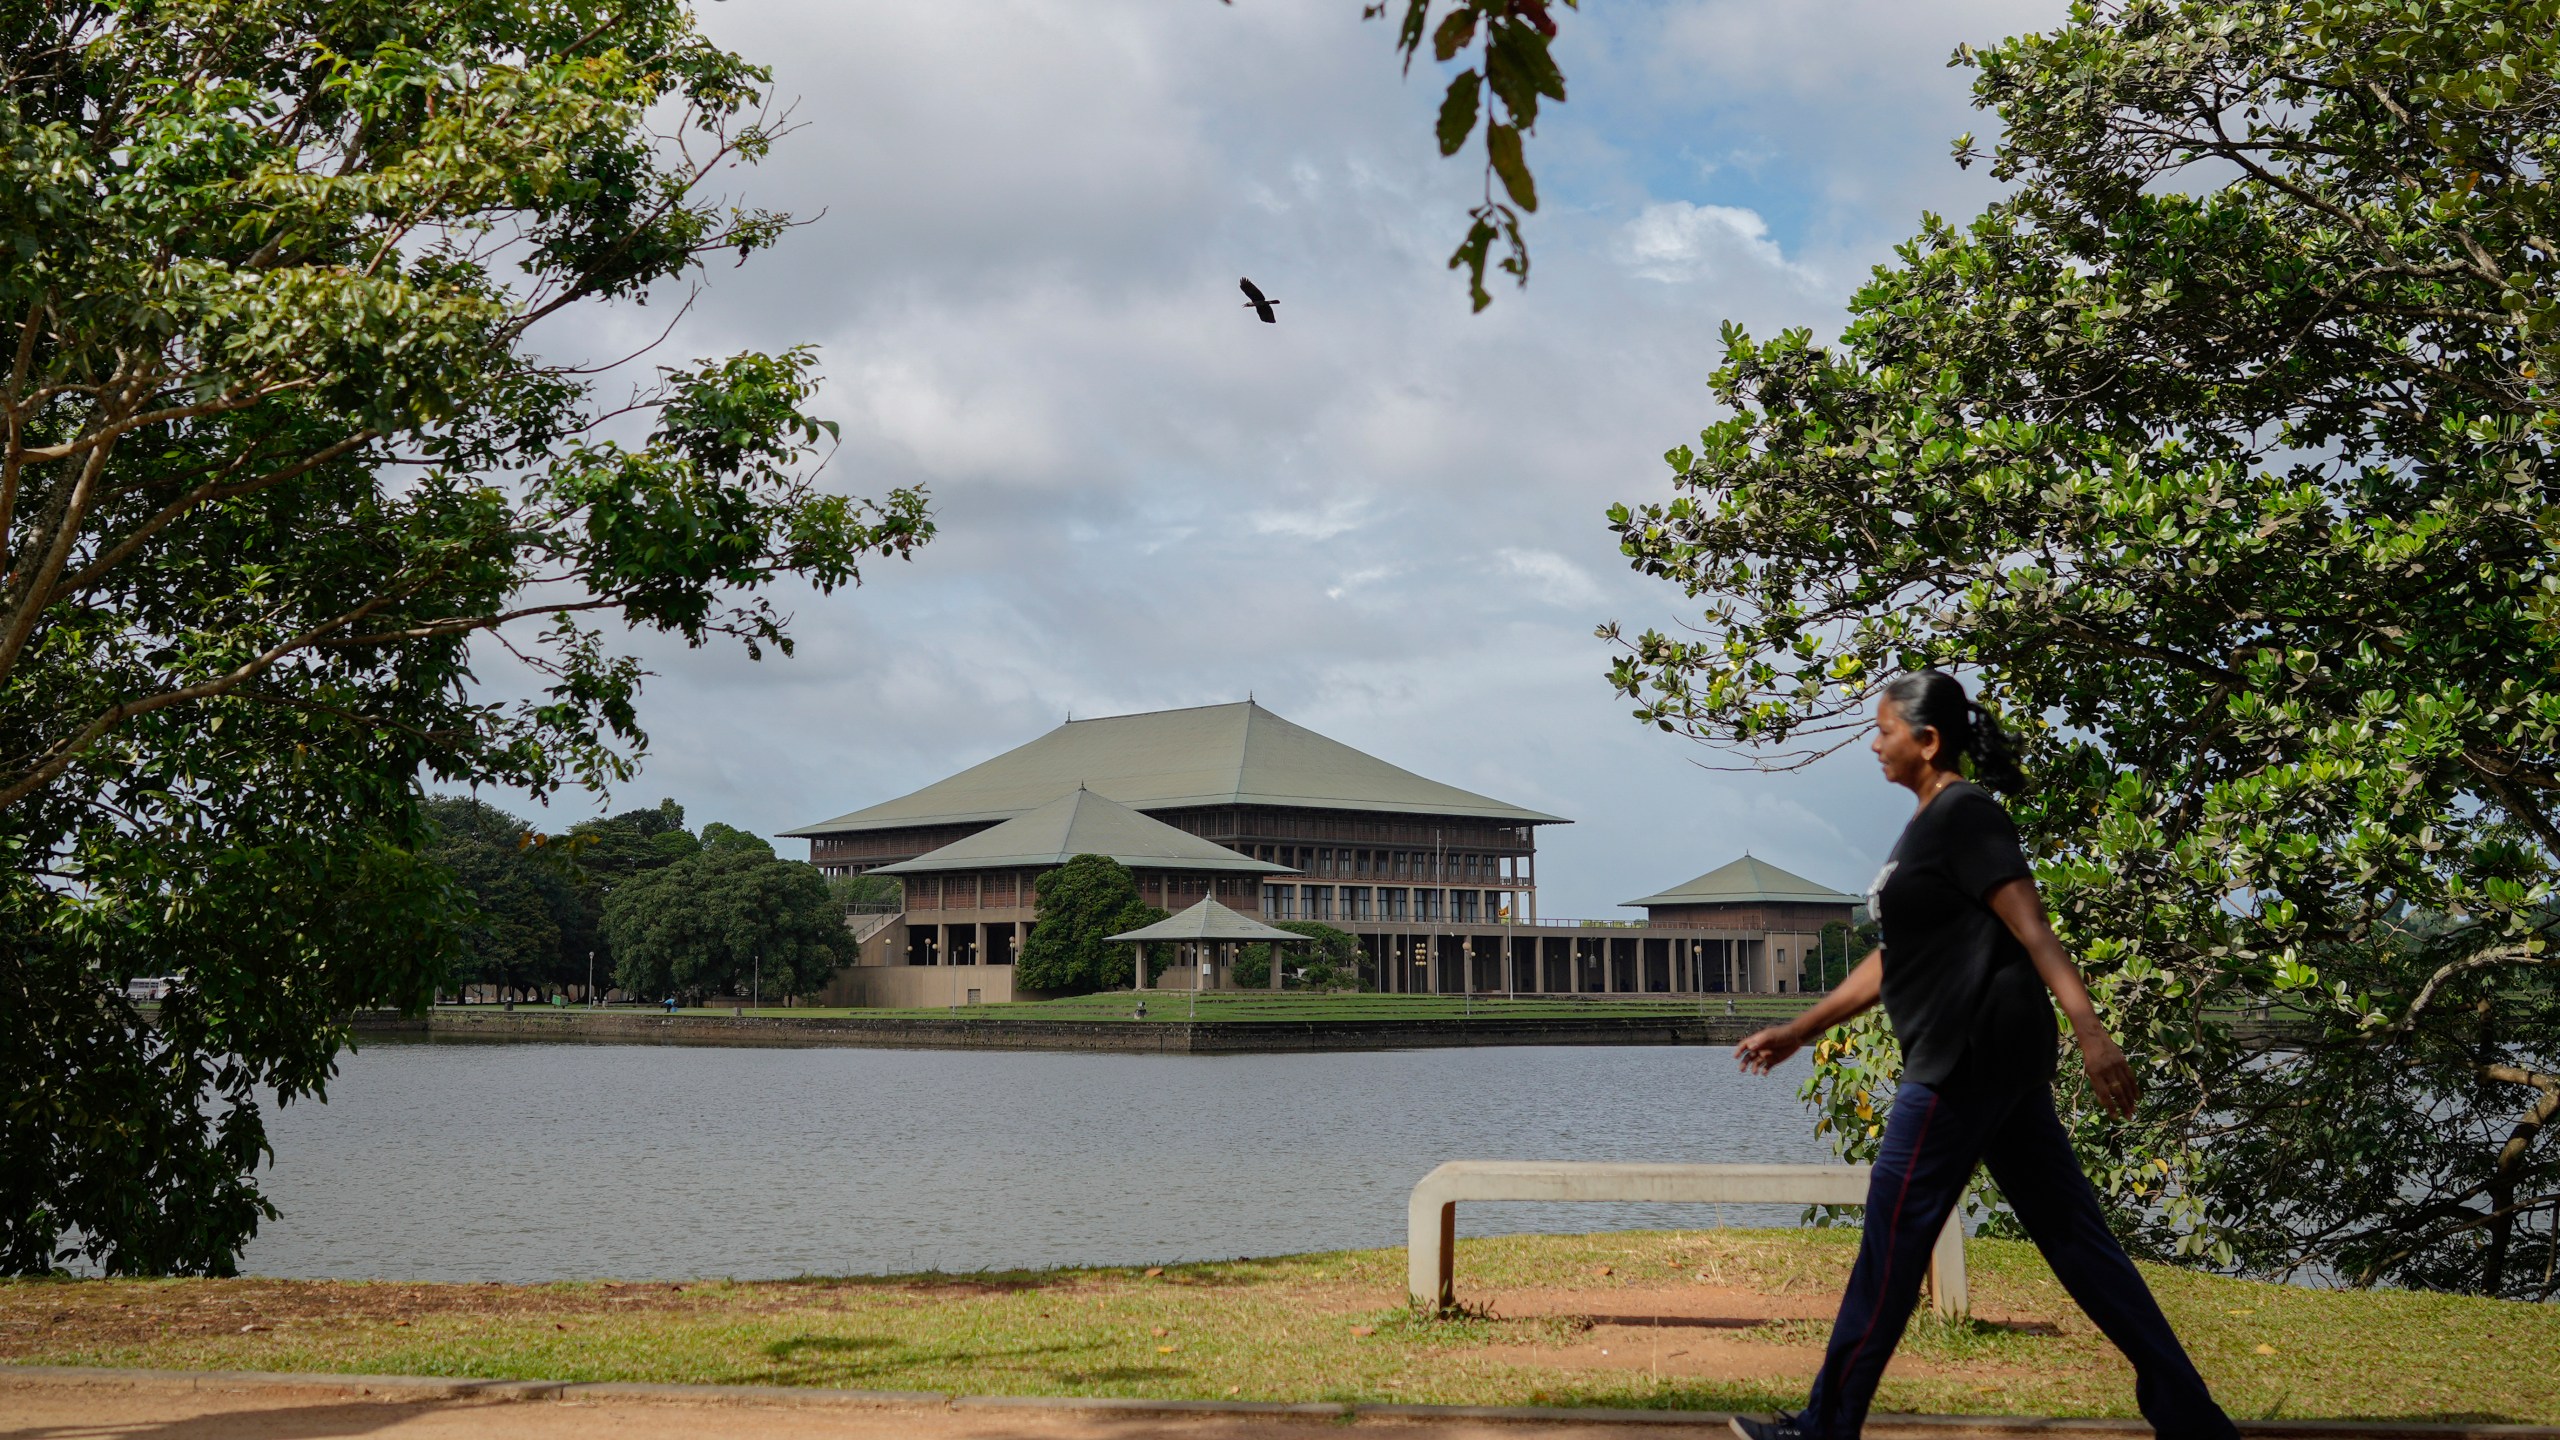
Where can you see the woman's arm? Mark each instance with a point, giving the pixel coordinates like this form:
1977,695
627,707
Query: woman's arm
1762,1051
2021,908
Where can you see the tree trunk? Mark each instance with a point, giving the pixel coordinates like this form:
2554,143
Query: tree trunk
2502,1189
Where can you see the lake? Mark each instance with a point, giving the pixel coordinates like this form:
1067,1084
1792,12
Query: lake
527,1162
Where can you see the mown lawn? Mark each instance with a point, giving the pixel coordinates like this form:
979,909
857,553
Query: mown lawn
1722,1319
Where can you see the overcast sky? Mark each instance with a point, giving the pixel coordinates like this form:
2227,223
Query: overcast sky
1382,517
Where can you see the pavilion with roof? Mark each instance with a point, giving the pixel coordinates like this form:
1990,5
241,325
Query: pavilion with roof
1788,911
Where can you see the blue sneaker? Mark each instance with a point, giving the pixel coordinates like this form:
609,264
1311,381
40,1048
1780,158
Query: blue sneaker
1781,1426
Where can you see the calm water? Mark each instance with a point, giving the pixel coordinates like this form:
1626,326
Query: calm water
539,1162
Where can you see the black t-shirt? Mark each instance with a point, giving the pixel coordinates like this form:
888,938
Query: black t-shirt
1963,997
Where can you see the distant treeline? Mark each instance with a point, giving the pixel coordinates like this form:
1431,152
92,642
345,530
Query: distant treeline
641,904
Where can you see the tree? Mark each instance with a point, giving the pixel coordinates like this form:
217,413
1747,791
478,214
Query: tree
1840,949
1082,904
599,855
512,937
1330,961
274,447
730,917
2219,454
866,894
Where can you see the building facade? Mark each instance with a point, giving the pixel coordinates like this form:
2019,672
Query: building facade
1275,821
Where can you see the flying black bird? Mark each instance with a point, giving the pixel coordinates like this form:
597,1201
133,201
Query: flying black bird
1255,302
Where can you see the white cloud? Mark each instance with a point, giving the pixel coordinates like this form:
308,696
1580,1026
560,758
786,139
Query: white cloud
1554,579
1676,242
1339,515
1383,515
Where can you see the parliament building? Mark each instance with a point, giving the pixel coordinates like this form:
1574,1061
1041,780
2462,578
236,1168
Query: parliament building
1439,884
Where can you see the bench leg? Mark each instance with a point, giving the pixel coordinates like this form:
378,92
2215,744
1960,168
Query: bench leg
1431,1251
1448,1298
1946,1271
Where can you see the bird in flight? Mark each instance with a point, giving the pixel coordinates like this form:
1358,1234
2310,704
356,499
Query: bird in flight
1255,301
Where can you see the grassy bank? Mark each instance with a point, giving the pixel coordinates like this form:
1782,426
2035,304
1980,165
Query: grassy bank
1716,1319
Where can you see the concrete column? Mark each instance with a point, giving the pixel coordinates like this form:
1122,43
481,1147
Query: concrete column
1275,967
978,939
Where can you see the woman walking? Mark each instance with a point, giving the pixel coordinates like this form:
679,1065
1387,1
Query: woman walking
1967,959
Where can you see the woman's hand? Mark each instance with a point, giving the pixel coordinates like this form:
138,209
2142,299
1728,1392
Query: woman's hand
1764,1050
2022,910
2109,1073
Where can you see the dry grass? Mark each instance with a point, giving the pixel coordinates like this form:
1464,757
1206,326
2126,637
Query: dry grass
1692,1319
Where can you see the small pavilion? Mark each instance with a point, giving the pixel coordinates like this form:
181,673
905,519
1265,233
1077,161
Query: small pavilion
1786,910
1207,929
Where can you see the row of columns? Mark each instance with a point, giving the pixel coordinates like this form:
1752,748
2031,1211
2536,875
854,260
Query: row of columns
1217,955
1559,962
1414,904
1570,963
942,946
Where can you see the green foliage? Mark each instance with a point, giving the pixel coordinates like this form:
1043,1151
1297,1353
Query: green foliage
1840,950
538,900
519,897
1512,39
866,894
2219,453
277,449
728,918
599,855
1329,961
1082,904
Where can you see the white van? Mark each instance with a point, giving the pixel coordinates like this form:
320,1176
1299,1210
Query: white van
150,987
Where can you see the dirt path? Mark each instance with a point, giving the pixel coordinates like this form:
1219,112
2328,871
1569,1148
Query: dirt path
180,1409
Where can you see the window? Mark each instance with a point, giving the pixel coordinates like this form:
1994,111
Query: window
1396,903
1404,865
1355,903
1319,902
1470,904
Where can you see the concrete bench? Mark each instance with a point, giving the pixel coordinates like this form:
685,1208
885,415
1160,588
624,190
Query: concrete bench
1431,1218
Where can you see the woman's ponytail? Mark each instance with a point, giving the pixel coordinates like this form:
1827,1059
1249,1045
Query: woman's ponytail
1995,760
1934,700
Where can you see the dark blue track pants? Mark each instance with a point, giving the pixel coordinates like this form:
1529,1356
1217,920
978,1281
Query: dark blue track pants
1932,1141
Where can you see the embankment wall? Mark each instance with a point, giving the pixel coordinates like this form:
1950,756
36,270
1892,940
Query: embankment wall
964,1032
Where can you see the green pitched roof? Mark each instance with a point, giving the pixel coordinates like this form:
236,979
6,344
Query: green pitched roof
1208,920
1746,881
1083,823
1213,755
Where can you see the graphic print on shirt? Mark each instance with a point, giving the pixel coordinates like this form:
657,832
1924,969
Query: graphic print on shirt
1875,892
